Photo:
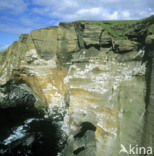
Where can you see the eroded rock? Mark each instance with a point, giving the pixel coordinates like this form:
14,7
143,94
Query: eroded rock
106,39
150,41
16,95
83,73
92,34
123,46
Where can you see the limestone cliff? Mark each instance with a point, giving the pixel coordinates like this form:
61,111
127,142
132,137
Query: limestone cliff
98,74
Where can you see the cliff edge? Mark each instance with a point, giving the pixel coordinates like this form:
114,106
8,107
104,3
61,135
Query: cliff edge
98,74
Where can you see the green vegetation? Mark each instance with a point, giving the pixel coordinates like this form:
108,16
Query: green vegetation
49,27
120,28
116,28
151,28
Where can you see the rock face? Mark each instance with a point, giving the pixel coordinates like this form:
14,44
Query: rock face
122,46
15,95
99,82
150,41
91,34
106,39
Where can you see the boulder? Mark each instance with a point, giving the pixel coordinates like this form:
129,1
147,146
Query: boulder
106,39
149,41
123,46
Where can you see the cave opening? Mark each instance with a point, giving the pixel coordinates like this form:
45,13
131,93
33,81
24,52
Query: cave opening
26,132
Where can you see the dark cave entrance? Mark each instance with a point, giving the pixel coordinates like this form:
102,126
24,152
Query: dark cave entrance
25,132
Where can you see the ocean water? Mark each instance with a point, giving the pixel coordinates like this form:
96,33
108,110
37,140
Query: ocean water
26,132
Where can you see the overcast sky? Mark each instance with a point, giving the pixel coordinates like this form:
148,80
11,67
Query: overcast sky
22,16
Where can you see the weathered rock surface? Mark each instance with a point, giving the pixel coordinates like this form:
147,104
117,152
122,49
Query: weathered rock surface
92,34
106,39
150,41
16,95
97,82
122,46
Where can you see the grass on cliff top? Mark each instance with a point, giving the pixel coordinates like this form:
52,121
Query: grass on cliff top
121,27
117,28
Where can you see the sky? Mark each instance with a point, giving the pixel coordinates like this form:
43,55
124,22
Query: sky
22,16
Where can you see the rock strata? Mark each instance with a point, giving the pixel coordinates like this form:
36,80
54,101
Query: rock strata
96,76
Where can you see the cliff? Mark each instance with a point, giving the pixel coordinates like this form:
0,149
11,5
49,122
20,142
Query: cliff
98,75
